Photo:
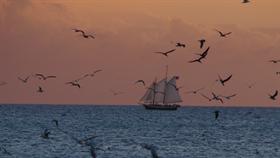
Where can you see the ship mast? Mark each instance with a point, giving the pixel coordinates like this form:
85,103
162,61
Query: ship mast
164,93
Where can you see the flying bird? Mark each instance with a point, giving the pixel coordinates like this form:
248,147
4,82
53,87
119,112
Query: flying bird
202,41
151,148
223,34
195,91
180,45
217,113
273,97
216,97
223,81
56,122
84,34
73,83
24,80
92,74
274,61
209,99
43,77
140,81
116,93
40,89
205,53
197,60
229,97
245,1
3,83
46,134
166,53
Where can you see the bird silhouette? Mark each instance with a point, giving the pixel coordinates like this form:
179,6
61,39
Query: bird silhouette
245,1
40,89
166,53
84,34
223,34
273,97
73,83
209,99
140,81
180,45
205,53
202,41
3,83
229,97
43,77
116,93
92,74
195,91
24,80
217,113
216,97
56,122
46,134
223,81
274,61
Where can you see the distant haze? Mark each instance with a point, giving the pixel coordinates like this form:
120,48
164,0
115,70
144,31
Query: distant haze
36,37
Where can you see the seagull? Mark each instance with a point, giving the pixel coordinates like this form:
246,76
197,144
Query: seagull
84,34
205,53
74,84
195,91
24,80
180,45
245,1
43,77
274,61
92,74
223,34
217,113
56,122
202,41
229,97
140,81
3,83
216,97
197,60
46,134
116,93
166,53
40,89
273,97
209,99
151,148
223,81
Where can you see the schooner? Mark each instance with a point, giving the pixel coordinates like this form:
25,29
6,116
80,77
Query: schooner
162,95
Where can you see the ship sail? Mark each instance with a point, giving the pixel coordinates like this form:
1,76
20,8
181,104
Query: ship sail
171,92
162,92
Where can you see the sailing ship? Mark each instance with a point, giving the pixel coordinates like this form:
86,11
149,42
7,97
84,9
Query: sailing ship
162,95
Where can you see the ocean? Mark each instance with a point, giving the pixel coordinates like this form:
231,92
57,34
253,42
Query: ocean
189,132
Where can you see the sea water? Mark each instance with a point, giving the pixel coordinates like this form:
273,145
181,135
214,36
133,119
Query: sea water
189,132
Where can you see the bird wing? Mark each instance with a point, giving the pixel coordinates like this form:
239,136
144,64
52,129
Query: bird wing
40,75
91,36
159,52
228,78
205,96
219,32
97,71
170,51
205,52
21,79
50,77
275,94
228,33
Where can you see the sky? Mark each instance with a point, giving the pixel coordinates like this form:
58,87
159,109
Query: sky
36,37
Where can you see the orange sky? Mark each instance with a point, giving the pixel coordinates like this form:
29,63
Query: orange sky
36,37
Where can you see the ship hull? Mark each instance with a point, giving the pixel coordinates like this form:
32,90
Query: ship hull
161,107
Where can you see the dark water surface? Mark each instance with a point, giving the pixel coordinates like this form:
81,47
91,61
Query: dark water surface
186,133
